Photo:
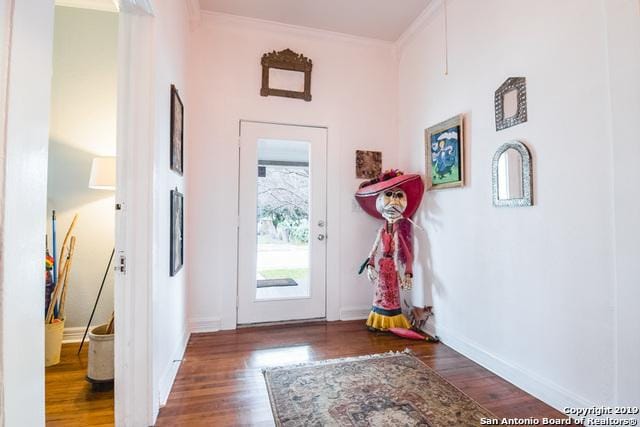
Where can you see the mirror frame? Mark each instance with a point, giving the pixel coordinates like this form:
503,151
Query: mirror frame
527,181
287,60
518,84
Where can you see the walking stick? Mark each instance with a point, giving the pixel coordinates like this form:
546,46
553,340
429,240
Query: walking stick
97,299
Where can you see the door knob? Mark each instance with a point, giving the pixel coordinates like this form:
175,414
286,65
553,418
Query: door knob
321,223
321,236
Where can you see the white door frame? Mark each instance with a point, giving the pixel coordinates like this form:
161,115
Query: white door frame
259,309
332,312
134,401
134,397
25,80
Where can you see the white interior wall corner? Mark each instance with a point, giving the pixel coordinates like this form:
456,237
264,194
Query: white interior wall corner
622,18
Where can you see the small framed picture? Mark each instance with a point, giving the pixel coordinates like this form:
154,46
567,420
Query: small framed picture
368,164
176,256
177,131
444,147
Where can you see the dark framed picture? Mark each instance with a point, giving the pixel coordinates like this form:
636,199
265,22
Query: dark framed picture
176,257
177,131
368,164
444,147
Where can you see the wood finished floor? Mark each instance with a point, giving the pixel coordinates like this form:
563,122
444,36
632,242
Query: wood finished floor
69,399
220,381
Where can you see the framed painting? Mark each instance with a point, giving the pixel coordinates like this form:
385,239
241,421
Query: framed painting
176,257
177,131
444,147
368,164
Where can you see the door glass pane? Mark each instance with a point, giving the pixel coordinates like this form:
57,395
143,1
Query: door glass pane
283,219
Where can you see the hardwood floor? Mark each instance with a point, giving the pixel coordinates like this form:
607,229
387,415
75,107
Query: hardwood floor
70,402
220,381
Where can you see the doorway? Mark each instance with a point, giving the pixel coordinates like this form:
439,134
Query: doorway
25,74
282,223
81,195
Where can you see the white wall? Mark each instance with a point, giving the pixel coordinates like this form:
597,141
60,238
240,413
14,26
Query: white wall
5,19
623,31
169,299
354,95
24,167
83,126
530,292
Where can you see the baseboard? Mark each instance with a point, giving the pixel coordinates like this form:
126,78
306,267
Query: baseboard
72,335
539,387
354,313
205,324
169,376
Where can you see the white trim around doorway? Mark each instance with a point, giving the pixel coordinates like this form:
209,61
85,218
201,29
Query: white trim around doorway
135,403
332,311
25,79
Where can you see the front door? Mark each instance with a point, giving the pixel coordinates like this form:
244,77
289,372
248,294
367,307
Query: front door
282,223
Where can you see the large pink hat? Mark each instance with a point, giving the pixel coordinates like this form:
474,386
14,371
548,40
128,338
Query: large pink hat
411,184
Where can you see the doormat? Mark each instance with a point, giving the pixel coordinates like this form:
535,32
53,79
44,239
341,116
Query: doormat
390,389
272,283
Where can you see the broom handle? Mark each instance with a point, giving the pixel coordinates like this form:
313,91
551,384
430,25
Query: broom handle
110,325
67,268
66,238
104,278
54,298
60,285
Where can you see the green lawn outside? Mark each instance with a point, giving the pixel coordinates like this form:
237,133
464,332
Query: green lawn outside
290,273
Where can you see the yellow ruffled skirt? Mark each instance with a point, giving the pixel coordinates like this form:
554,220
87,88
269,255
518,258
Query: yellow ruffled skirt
381,322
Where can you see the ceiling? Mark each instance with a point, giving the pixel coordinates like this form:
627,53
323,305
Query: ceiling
377,19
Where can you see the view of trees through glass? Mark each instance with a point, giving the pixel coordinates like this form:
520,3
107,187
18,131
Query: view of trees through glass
283,227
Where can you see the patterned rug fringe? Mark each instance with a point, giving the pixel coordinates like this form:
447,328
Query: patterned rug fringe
389,353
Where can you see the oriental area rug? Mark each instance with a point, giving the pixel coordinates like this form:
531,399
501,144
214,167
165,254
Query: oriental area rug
390,389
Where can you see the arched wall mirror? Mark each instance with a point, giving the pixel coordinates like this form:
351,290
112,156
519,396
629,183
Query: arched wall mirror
512,176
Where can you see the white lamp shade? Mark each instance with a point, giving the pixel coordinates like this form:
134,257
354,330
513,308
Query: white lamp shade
103,173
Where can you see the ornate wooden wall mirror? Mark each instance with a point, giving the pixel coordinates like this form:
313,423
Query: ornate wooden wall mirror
288,70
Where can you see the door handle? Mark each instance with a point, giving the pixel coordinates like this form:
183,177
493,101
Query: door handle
321,237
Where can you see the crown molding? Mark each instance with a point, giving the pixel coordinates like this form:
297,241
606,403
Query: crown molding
419,23
219,18
103,5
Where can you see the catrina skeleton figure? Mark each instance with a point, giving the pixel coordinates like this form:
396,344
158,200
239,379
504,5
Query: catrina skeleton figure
392,197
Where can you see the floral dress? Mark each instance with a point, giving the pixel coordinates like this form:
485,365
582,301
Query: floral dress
386,311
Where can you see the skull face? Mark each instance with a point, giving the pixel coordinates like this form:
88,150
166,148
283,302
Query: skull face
391,204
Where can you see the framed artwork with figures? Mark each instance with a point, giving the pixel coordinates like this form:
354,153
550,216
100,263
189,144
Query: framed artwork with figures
177,131
444,152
